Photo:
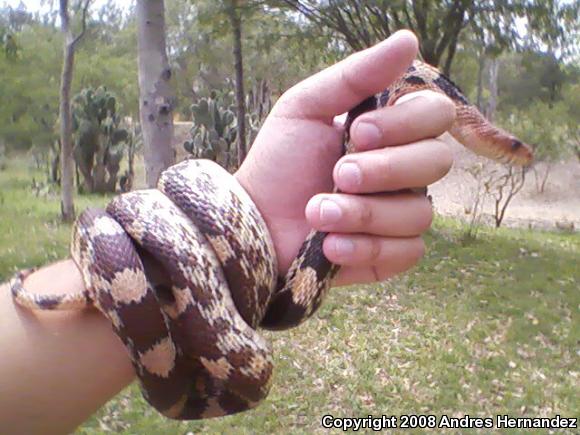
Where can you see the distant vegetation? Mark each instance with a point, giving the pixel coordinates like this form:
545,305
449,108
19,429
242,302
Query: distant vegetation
538,86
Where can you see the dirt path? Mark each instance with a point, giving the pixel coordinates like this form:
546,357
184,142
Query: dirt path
557,208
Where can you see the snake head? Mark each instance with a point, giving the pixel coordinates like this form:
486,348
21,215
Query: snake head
474,131
520,153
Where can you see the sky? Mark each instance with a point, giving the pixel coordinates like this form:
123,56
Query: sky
37,5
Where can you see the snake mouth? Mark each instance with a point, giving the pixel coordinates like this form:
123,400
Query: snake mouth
499,145
521,159
517,152
502,149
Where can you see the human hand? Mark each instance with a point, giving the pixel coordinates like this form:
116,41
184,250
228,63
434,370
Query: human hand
374,227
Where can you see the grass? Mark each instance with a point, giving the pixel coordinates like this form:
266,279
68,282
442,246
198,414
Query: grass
485,327
30,230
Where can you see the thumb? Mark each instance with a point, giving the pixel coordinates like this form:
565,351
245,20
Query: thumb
342,86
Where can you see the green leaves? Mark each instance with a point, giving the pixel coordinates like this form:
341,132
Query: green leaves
29,88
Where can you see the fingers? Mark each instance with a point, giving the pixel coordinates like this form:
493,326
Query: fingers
372,237
370,274
395,168
399,215
367,259
342,86
392,255
421,117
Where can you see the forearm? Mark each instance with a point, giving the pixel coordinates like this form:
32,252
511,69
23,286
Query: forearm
57,368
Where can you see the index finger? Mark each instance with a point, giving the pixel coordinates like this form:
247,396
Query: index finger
342,86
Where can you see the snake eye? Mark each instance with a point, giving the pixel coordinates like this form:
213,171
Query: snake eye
516,144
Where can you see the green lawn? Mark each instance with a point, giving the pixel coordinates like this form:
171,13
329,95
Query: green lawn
481,328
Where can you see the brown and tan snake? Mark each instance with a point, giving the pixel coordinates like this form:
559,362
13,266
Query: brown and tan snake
193,343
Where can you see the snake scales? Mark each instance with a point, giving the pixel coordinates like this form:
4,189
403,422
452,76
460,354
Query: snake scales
193,343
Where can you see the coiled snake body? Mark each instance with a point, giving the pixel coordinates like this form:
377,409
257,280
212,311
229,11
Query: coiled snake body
193,342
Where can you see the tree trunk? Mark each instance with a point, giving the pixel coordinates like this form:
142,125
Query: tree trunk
493,88
429,54
542,177
236,23
66,157
480,68
449,60
156,95
55,162
99,173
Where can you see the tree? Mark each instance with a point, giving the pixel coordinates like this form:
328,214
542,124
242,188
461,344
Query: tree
437,23
156,97
533,75
236,11
199,44
107,56
493,88
66,146
236,23
361,24
29,88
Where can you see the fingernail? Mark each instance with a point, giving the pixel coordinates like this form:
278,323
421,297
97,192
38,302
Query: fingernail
367,135
343,247
349,175
330,212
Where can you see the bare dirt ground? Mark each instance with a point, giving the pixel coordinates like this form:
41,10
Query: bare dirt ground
558,208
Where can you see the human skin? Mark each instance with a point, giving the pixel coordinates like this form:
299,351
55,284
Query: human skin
57,368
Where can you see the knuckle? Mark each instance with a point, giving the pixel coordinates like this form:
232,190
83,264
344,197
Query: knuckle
374,250
365,214
291,102
349,79
386,166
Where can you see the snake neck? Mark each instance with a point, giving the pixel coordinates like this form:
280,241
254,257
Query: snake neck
470,128
474,131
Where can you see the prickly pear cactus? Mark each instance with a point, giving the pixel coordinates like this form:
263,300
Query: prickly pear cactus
214,133
100,141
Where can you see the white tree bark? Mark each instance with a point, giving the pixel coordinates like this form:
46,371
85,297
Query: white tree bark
493,88
156,96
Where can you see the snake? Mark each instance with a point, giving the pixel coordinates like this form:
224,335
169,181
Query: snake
187,272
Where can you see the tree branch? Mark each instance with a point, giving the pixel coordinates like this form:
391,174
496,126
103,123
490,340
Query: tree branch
84,24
